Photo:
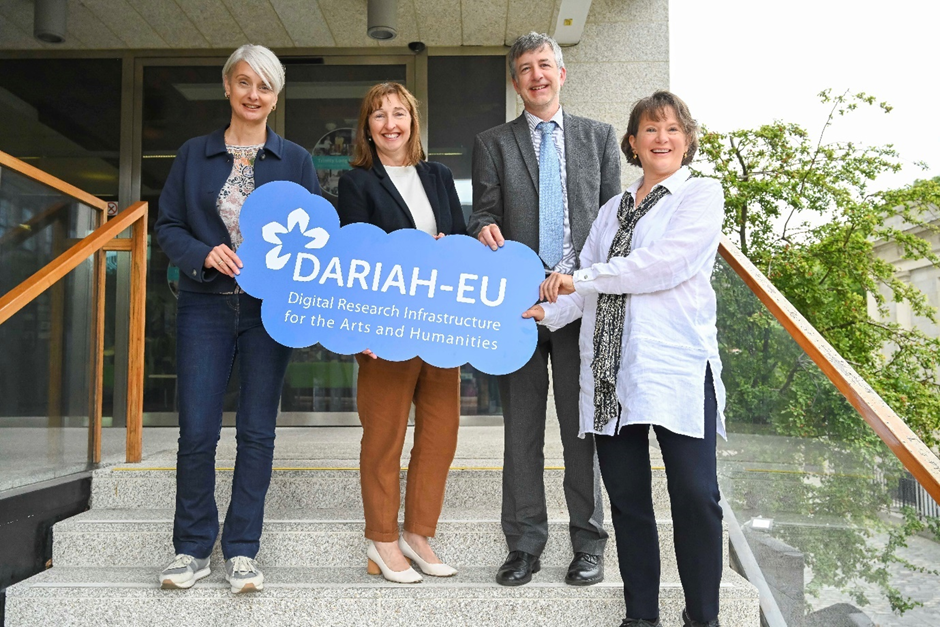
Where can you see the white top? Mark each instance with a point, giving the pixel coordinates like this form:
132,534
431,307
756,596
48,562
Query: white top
569,258
669,329
412,192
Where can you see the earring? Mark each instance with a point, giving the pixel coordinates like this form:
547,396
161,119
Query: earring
685,154
226,95
369,138
634,154
273,107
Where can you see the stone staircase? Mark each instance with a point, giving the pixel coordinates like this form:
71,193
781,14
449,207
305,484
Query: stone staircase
313,552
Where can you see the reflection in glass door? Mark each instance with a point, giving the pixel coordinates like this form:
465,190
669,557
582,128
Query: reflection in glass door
321,108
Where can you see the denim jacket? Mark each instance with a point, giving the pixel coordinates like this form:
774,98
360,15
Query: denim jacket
188,224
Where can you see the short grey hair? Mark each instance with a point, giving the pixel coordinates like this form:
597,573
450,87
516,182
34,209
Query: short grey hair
264,62
529,43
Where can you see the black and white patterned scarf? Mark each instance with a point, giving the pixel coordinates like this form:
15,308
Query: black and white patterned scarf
611,310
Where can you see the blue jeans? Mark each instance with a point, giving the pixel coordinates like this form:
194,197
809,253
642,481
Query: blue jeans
212,329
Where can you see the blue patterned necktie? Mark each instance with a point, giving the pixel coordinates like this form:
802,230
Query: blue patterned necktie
551,205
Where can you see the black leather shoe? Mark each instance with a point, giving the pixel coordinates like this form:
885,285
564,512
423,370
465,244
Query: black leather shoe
585,570
688,622
639,622
518,569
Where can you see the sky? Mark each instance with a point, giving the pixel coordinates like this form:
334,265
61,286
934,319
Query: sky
743,63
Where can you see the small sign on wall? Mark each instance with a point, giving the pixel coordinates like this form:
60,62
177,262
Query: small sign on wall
450,301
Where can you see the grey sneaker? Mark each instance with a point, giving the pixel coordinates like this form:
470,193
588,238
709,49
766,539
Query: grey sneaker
183,572
243,574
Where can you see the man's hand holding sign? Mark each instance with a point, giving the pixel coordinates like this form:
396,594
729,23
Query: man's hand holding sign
400,295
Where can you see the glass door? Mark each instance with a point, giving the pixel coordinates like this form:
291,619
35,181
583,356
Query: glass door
318,109
321,109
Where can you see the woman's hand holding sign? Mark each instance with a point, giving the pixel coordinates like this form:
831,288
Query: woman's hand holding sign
223,259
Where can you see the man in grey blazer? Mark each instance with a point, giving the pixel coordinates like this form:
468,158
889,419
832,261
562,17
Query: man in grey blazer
540,180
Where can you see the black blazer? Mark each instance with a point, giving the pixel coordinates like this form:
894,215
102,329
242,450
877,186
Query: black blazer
371,196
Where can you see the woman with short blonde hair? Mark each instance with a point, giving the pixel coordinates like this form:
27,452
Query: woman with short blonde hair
219,325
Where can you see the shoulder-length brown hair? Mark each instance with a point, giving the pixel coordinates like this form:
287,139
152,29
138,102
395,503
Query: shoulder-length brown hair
362,155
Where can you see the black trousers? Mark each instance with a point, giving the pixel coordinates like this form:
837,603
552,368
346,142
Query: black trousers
696,514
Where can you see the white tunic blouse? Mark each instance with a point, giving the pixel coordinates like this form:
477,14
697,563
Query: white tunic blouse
669,329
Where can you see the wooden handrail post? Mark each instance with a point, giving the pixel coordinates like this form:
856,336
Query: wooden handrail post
96,389
136,340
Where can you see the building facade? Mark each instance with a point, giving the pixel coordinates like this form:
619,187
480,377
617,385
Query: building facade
107,109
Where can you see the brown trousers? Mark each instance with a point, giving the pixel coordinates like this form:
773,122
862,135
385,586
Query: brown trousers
386,391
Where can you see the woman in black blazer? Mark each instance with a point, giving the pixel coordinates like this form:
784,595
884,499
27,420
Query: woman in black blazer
393,187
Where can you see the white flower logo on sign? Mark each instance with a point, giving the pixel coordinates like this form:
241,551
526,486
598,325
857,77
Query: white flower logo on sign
272,230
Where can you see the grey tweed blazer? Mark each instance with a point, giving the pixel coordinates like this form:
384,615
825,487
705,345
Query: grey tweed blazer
506,178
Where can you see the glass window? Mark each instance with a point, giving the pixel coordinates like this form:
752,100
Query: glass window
64,117
322,109
179,103
457,114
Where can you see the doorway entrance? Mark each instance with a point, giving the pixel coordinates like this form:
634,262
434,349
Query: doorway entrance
318,109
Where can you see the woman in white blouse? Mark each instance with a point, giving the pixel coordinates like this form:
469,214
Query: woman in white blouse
649,356
393,187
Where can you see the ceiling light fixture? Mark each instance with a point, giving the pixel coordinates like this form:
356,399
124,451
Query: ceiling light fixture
383,19
49,20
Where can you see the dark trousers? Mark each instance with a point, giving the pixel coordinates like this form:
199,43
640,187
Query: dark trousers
212,329
524,395
696,514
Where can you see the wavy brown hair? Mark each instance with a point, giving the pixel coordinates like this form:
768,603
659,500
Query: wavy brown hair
362,155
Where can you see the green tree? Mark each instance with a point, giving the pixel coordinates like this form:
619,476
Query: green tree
804,210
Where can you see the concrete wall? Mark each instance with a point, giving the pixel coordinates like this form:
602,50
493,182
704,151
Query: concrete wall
623,56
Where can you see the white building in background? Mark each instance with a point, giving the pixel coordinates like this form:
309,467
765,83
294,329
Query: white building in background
917,272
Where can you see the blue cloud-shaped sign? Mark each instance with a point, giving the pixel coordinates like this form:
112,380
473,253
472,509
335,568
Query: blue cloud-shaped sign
404,294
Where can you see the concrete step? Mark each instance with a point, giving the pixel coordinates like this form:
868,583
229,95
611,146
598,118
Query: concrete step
341,597
321,538
322,484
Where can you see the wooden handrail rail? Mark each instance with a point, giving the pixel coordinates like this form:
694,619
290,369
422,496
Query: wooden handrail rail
101,239
22,294
9,161
904,443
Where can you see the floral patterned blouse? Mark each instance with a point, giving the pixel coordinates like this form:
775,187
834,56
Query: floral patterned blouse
239,184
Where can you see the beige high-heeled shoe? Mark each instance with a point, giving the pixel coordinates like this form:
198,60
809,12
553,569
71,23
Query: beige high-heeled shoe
435,570
376,566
